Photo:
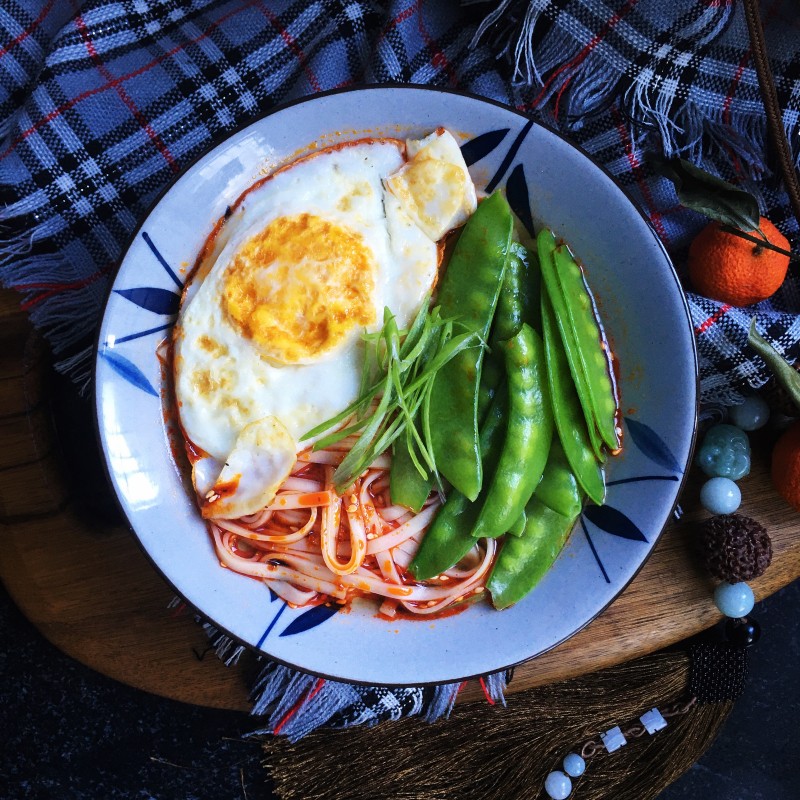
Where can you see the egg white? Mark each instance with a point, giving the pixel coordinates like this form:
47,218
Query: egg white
222,381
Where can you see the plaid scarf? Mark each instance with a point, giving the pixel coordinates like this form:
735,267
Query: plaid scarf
102,104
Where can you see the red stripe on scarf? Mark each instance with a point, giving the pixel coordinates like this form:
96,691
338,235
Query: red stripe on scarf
124,96
115,82
296,707
293,46
438,58
486,692
577,60
636,169
400,18
20,38
713,319
48,290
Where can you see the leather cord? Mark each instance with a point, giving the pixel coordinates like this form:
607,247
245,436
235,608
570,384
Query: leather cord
771,106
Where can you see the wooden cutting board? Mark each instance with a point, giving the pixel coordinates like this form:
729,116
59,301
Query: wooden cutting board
82,580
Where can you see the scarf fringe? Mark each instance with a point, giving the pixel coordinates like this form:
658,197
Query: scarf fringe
296,704
226,649
583,82
60,315
444,698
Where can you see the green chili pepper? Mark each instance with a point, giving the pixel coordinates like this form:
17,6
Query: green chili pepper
523,561
592,347
546,245
449,537
569,418
468,294
527,439
558,488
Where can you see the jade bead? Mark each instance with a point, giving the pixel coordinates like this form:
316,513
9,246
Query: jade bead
725,452
750,415
734,600
720,496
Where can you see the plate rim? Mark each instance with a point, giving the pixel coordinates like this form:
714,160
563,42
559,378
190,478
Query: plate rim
221,139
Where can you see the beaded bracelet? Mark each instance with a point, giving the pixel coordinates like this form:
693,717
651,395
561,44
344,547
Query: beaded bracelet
735,549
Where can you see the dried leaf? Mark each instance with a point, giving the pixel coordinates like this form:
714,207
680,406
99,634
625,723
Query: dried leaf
710,195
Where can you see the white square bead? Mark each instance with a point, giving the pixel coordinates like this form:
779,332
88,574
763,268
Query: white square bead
613,739
653,721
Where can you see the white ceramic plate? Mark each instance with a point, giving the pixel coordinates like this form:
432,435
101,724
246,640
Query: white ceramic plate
546,180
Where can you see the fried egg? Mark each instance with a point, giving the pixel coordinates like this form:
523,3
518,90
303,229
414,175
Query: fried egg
268,342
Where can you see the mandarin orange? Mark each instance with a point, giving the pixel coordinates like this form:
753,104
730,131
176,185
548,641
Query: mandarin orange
728,268
786,465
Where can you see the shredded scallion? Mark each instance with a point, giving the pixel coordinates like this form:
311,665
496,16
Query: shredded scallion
398,372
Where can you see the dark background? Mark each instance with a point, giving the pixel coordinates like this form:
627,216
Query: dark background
72,733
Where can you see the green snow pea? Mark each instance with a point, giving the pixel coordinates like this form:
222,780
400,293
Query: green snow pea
592,346
528,435
559,488
449,537
569,418
546,245
468,294
518,302
523,561
518,526
407,486
519,297
492,376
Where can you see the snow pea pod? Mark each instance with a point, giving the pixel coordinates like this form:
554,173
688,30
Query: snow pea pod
518,302
407,486
468,294
569,418
492,377
449,537
528,435
546,245
559,488
518,526
519,297
523,561
592,347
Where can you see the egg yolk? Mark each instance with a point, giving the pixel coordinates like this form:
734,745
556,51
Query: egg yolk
299,286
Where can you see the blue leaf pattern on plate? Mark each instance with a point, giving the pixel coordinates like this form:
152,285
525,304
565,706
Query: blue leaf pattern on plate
161,260
508,160
159,301
518,197
612,521
310,619
272,596
480,147
128,370
652,445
